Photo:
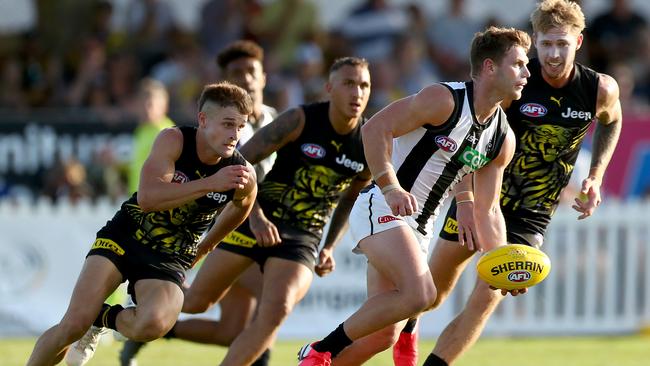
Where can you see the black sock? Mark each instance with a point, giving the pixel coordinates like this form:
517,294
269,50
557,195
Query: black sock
334,342
264,358
410,325
107,316
434,360
171,334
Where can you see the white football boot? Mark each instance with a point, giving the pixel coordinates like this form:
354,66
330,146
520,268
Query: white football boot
82,351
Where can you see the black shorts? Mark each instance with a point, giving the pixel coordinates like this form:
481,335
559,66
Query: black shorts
136,261
297,245
518,230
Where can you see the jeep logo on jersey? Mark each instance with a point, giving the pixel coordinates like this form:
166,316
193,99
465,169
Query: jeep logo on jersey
473,158
313,151
533,110
577,114
446,144
219,197
519,276
180,177
346,162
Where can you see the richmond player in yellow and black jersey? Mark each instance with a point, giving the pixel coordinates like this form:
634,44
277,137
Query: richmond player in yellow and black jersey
190,175
319,170
550,125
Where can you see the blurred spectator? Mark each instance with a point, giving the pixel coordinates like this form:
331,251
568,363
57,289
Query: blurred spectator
67,180
282,26
224,21
414,69
634,106
153,104
11,93
373,27
39,71
90,74
183,73
615,35
149,24
450,35
305,83
108,177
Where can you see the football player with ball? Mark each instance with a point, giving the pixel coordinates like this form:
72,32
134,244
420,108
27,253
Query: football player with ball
550,121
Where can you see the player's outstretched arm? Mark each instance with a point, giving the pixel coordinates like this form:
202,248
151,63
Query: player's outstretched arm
432,105
490,225
231,216
610,121
339,222
156,191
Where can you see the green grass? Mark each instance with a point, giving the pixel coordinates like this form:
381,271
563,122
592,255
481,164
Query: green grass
595,351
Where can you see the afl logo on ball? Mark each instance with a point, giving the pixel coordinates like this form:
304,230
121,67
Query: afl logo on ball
519,276
533,110
446,144
313,150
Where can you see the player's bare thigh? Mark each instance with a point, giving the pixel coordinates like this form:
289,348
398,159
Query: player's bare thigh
219,270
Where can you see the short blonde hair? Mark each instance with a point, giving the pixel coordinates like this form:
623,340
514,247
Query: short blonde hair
557,13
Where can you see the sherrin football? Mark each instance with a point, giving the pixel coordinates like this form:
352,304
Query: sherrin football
513,267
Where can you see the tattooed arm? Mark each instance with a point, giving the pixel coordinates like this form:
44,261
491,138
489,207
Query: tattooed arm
284,129
610,120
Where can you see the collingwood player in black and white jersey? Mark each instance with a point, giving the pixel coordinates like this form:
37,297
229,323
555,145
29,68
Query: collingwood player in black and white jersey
191,177
418,148
550,121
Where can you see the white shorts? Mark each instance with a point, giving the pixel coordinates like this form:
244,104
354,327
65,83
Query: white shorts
371,215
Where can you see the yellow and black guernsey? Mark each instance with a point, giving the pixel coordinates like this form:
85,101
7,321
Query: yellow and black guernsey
174,233
309,174
550,125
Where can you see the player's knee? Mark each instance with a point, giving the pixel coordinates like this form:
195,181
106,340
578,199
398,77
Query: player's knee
441,296
275,313
150,328
421,298
483,296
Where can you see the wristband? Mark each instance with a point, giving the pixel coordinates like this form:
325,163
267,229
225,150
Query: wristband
389,187
463,201
468,195
381,173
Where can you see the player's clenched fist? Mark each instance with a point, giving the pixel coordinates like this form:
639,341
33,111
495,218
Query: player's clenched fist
401,202
230,177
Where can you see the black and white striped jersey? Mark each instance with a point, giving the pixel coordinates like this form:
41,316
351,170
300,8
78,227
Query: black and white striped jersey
430,160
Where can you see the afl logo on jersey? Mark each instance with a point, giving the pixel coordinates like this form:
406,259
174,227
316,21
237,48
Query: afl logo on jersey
533,110
313,150
180,177
446,144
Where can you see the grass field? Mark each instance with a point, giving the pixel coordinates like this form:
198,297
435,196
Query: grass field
600,351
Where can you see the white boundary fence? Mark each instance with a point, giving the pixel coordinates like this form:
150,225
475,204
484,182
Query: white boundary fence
599,282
